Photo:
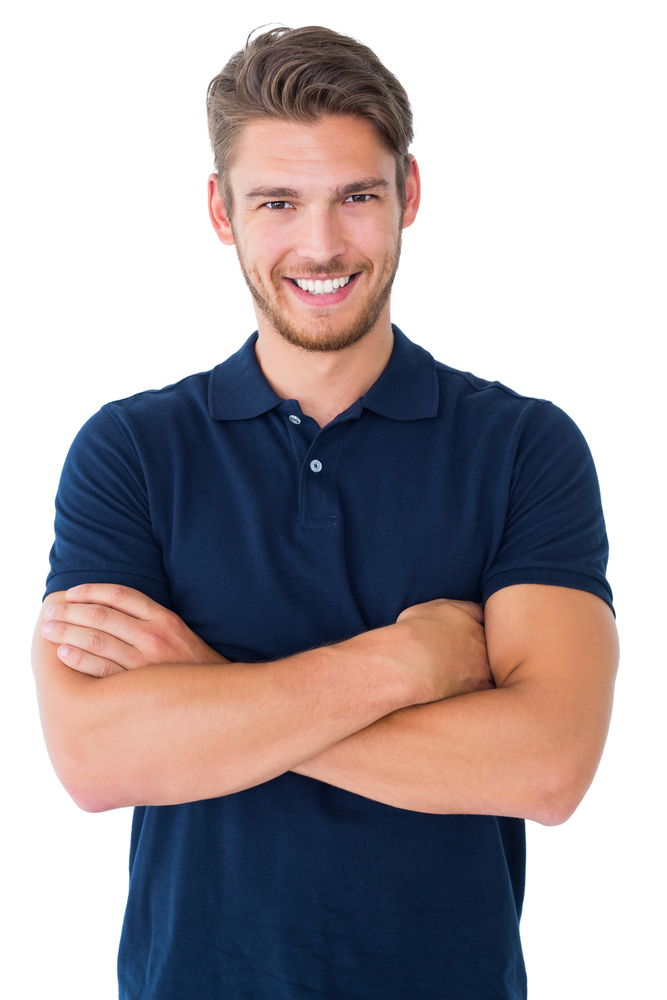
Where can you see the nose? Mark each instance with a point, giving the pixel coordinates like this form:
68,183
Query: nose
320,238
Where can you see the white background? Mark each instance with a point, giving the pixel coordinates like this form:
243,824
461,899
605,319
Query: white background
538,259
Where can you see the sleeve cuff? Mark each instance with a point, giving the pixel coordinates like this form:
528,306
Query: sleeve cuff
155,589
548,577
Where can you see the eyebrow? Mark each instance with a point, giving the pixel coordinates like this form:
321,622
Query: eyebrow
364,185
280,194
275,193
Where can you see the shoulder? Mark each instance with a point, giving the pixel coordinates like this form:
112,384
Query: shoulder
189,394
132,431
462,385
490,408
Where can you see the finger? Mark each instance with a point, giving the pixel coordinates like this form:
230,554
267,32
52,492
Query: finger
87,663
92,641
100,617
114,595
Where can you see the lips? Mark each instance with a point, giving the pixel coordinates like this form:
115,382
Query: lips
320,295
323,286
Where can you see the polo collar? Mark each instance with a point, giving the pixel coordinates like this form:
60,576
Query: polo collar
407,389
237,389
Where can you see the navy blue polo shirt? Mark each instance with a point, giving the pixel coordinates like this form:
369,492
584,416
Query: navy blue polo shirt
269,535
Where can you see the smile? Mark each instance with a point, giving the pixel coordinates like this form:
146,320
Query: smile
319,287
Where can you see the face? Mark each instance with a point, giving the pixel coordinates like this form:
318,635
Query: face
317,226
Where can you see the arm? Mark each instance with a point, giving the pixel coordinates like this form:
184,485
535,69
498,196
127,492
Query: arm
530,748
190,725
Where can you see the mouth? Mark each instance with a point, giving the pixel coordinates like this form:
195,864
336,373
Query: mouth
324,290
324,286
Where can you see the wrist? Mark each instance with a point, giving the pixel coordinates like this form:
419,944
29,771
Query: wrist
387,657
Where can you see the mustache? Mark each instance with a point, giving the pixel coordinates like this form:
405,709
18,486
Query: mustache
335,267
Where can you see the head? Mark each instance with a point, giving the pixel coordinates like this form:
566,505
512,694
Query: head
303,117
301,75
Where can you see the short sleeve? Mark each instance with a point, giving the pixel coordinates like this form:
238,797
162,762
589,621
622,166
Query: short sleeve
102,524
554,529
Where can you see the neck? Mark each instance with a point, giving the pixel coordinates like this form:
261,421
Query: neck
325,383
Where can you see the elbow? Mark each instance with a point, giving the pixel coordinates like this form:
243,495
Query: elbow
557,796
553,813
89,802
92,798
98,791
92,788
91,771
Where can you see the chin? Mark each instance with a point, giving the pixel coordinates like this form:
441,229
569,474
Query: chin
329,339
324,335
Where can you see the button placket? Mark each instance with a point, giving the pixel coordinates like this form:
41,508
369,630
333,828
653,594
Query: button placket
299,433
319,500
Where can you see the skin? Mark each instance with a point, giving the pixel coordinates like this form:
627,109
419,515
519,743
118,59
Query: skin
136,709
291,220
501,712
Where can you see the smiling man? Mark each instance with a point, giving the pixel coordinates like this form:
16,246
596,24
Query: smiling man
333,616
369,222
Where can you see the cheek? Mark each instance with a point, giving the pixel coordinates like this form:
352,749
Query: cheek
265,247
375,238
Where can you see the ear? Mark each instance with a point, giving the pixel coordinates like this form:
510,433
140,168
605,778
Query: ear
218,213
412,193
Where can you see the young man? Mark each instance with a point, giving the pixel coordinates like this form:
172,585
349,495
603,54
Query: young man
264,622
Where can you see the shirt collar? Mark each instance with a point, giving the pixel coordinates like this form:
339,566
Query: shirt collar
407,389
237,389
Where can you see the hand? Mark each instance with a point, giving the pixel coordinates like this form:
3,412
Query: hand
103,629
448,643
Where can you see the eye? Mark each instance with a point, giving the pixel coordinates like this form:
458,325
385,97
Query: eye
359,199
277,206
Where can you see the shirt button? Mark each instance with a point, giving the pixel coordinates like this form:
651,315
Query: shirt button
295,419
316,466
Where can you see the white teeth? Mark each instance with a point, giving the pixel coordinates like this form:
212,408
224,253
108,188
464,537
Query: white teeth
319,287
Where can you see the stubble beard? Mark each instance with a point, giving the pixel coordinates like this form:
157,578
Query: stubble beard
329,337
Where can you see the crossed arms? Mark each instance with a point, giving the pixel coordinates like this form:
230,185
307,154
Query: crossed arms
446,711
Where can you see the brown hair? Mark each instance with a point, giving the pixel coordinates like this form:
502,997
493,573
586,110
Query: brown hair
300,75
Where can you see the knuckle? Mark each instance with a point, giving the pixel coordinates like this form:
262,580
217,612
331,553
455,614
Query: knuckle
153,639
169,623
104,668
118,591
98,613
95,641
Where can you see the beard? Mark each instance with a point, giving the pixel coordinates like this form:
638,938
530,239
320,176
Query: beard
329,335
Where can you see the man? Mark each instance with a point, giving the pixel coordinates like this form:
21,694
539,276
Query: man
264,627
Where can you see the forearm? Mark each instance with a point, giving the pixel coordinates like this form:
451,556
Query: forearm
529,748
173,733
482,753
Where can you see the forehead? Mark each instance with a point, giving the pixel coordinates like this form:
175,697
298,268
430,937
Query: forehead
328,152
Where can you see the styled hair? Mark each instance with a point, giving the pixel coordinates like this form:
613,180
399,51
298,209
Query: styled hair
300,75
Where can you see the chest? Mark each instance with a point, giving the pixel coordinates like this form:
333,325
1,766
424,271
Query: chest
278,541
